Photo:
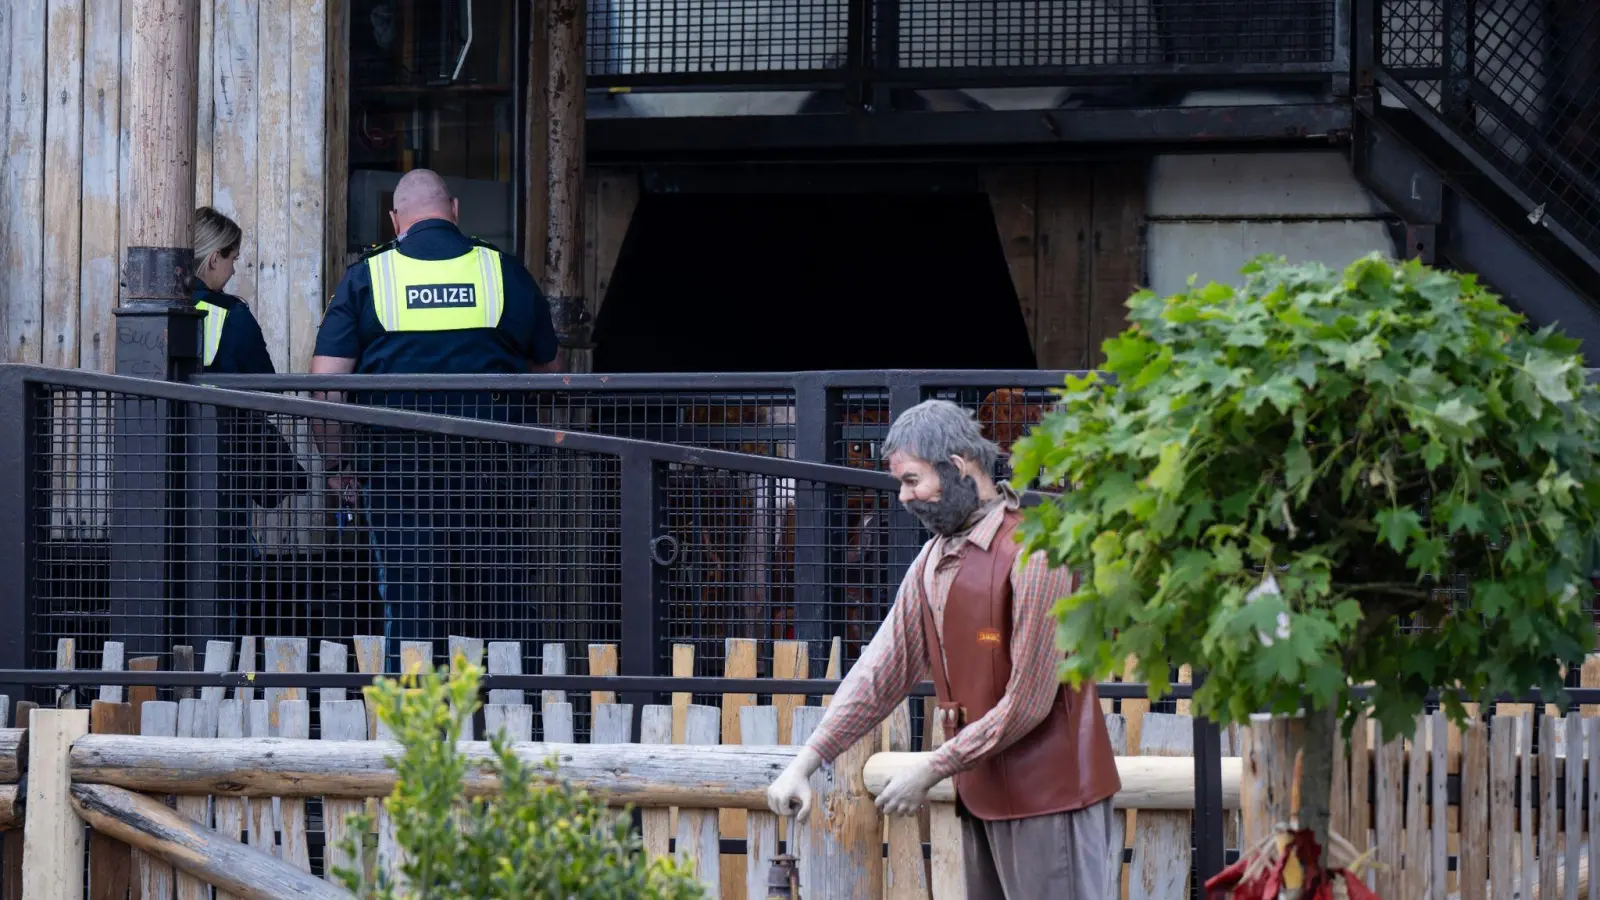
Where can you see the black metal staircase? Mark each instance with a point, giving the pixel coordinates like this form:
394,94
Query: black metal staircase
1478,124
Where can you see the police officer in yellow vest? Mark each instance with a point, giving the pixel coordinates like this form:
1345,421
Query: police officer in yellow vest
254,462
446,515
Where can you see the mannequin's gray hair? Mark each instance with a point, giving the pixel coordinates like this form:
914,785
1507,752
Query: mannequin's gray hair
935,430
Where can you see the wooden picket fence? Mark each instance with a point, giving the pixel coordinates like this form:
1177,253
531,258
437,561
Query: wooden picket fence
1488,838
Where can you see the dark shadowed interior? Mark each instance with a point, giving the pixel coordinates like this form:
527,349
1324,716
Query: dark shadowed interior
783,282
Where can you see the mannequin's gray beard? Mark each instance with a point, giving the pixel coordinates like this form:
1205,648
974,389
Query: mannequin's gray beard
958,500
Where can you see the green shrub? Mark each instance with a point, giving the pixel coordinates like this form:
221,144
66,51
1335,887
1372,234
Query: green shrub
1413,468
537,838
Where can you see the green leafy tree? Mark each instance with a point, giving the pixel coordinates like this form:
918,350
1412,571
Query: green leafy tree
537,838
1322,478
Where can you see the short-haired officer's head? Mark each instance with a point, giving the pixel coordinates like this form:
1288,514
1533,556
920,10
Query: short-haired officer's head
943,462
422,194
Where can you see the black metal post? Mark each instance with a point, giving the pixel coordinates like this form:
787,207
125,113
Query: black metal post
210,533
1209,847
885,57
17,535
643,639
858,53
811,514
158,337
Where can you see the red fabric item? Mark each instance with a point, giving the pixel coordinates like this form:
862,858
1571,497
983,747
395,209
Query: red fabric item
1229,883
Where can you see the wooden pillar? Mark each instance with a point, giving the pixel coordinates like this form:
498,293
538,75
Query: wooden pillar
563,259
53,837
158,331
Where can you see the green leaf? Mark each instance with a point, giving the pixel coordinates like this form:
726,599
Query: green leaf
1298,469
1466,516
1396,526
1457,413
1168,474
1549,374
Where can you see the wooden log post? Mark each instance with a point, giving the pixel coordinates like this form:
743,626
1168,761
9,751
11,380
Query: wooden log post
563,253
158,329
233,867
53,838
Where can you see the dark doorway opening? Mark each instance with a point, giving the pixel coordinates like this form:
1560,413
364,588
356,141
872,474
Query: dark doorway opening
794,282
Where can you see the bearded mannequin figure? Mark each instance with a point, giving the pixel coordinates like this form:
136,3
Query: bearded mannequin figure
1031,758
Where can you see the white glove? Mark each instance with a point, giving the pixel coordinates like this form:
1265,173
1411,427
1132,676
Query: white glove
907,792
790,793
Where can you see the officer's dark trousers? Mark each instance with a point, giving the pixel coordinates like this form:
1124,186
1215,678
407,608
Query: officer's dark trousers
450,533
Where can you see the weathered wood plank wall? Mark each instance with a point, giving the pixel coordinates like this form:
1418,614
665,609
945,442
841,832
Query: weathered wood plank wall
271,124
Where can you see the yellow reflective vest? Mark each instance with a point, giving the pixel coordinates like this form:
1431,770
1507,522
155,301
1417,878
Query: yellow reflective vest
437,295
216,316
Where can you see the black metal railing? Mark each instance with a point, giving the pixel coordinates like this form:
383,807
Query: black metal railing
1514,86
861,44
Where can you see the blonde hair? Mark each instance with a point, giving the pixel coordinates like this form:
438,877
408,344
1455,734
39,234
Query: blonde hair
214,232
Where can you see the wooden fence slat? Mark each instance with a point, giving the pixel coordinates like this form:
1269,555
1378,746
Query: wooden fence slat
558,723
111,661
159,718
1591,727
12,862
284,655
1549,825
261,810
53,837
1339,791
230,811
1360,750
1527,868
274,43
294,717
342,720
416,657
370,661
182,661
905,874
205,124
790,659
66,661
191,724
1418,846
514,720
505,658
603,661
682,667
555,663
247,652
947,879
469,647
1574,803
235,96
332,658
1388,808
656,728
840,845
1501,824
1438,751
1161,848
1117,732
391,857
1478,790
758,727
697,844
739,661
110,861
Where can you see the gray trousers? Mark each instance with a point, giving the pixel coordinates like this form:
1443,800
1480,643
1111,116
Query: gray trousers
1064,856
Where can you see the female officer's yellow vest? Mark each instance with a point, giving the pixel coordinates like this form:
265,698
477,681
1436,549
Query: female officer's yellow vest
215,317
437,295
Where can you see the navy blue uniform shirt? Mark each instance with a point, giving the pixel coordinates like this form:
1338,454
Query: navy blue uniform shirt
241,350
350,328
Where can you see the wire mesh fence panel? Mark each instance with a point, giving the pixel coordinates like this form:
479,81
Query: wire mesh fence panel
1036,33
1519,81
638,37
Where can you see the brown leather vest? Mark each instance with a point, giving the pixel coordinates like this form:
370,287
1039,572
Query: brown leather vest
1064,764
